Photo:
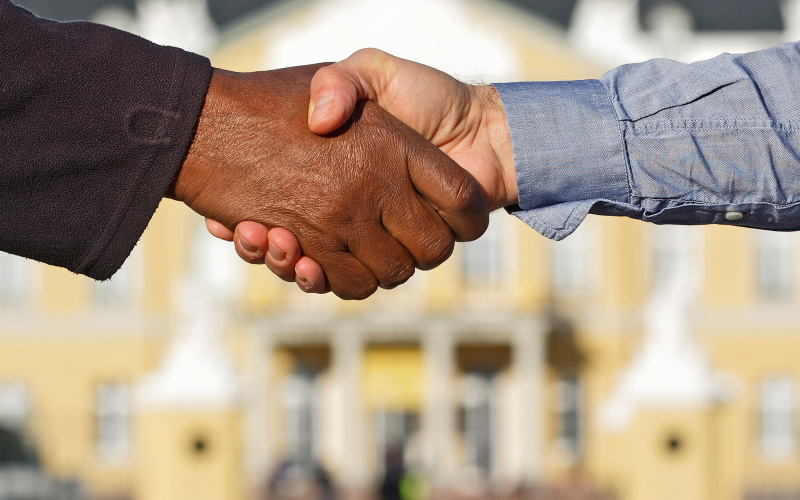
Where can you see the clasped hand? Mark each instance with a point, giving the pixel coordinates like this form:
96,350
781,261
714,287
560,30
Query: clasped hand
361,187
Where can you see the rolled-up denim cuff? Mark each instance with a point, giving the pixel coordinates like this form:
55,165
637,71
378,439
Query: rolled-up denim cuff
568,150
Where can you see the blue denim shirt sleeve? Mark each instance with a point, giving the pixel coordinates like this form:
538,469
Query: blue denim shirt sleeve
662,141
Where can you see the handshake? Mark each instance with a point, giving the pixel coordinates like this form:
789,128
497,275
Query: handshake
377,171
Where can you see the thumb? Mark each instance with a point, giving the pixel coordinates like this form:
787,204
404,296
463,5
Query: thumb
337,88
334,94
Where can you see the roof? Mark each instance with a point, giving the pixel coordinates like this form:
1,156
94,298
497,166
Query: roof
709,15
221,11
726,15
67,10
558,11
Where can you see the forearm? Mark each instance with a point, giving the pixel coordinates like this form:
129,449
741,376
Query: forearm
94,125
662,141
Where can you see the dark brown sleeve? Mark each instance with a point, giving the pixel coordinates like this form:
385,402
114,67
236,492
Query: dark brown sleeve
94,125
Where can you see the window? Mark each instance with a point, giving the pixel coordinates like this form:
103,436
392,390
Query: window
14,406
777,412
481,260
478,421
568,414
113,413
568,268
300,403
775,264
14,280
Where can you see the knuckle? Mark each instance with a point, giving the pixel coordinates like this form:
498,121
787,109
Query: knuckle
374,65
369,53
327,73
398,274
436,250
463,194
366,291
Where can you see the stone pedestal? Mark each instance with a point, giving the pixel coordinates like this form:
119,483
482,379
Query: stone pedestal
188,413
189,454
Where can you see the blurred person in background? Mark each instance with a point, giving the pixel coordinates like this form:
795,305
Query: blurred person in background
289,480
394,472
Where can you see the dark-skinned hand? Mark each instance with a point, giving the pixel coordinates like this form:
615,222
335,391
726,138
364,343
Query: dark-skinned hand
369,203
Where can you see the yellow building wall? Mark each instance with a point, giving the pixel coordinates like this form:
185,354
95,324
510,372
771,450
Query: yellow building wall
63,368
653,470
752,358
729,267
393,379
747,339
62,373
72,345
189,454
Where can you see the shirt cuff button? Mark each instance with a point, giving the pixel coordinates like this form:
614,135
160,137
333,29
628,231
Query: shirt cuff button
734,216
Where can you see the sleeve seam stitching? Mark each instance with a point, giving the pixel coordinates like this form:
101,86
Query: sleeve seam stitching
110,229
628,168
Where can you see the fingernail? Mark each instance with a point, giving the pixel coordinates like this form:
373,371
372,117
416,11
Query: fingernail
321,108
303,281
276,253
247,246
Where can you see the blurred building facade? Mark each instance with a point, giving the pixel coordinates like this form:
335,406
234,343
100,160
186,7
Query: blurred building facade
628,361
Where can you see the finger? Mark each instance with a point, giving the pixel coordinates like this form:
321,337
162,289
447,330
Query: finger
450,190
348,277
250,240
283,253
310,277
388,260
423,233
218,230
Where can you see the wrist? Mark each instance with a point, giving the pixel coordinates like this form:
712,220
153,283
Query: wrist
494,120
189,180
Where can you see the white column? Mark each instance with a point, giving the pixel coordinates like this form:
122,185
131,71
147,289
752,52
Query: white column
438,419
529,366
348,421
259,427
